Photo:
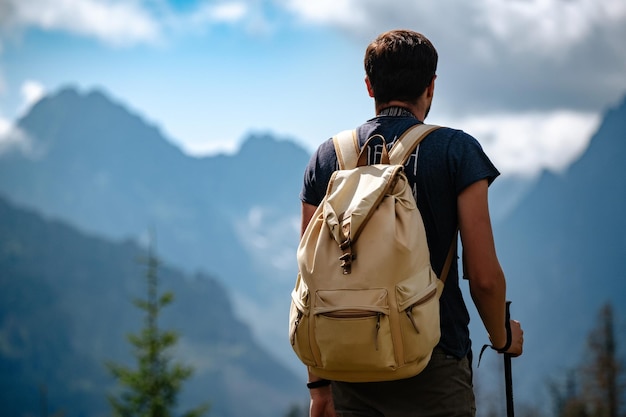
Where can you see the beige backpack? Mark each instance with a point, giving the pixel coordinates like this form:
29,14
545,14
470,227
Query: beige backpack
365,306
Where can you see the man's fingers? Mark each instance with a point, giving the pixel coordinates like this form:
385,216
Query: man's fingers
517,334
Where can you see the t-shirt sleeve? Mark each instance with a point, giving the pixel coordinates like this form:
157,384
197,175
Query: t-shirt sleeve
469,162
317,174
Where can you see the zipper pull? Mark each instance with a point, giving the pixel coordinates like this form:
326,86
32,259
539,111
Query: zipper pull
411,319
377,329
296,323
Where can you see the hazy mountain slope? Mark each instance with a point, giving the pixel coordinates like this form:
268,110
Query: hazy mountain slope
65,307
564,252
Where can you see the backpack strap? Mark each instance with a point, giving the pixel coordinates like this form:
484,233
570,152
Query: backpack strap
346,148
406,143
399,153
448,263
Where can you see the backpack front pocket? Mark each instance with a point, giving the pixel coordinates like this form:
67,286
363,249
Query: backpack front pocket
352,330
419,315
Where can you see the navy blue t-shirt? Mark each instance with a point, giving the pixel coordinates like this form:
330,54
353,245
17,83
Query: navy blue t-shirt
443,165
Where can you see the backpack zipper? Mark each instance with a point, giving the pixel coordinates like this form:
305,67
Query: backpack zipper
377,329
357,314
409,310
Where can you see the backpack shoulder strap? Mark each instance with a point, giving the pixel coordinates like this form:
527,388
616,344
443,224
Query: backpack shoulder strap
406,143
346,148
448,263
399,153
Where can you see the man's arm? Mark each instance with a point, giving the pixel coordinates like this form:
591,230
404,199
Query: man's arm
482,268
307,213
321,398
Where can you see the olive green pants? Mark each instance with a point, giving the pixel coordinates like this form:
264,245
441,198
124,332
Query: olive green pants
443,389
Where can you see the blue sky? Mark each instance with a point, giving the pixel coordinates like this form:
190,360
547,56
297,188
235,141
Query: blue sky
530,79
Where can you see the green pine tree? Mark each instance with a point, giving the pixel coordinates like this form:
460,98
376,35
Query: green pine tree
151,390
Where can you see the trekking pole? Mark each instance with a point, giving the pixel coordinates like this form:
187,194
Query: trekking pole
508,378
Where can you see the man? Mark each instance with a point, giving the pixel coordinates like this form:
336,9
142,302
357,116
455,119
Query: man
450,175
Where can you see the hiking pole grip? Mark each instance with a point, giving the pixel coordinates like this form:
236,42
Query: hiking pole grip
508,378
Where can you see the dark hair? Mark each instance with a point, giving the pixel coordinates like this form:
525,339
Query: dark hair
400,64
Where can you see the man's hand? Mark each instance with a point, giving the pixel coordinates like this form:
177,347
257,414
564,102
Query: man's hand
517,339
322,402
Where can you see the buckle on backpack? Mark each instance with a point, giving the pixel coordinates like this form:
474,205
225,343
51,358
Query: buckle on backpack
347,257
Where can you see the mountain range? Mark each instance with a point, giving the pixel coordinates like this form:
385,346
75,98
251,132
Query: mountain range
233,220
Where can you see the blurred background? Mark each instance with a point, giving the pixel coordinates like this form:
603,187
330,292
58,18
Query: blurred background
186,125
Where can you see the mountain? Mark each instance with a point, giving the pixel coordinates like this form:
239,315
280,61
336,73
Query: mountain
563,249
65,308
93,163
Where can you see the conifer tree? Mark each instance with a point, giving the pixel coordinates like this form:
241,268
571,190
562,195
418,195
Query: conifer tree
152,388
568,398
604,372
601,390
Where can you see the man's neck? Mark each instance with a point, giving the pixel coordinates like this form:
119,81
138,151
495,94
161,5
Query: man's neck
395,111
414,108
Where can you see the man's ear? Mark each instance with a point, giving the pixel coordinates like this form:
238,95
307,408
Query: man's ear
370,90
430,90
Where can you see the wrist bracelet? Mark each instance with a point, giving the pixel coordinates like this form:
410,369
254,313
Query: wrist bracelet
504,348
509,335
318,384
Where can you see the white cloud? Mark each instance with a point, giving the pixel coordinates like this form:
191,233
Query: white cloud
520,55
555,24
337,12
5,127
248,15
13,139
531,23
228,12
32,92
205,14
525,144
116,22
